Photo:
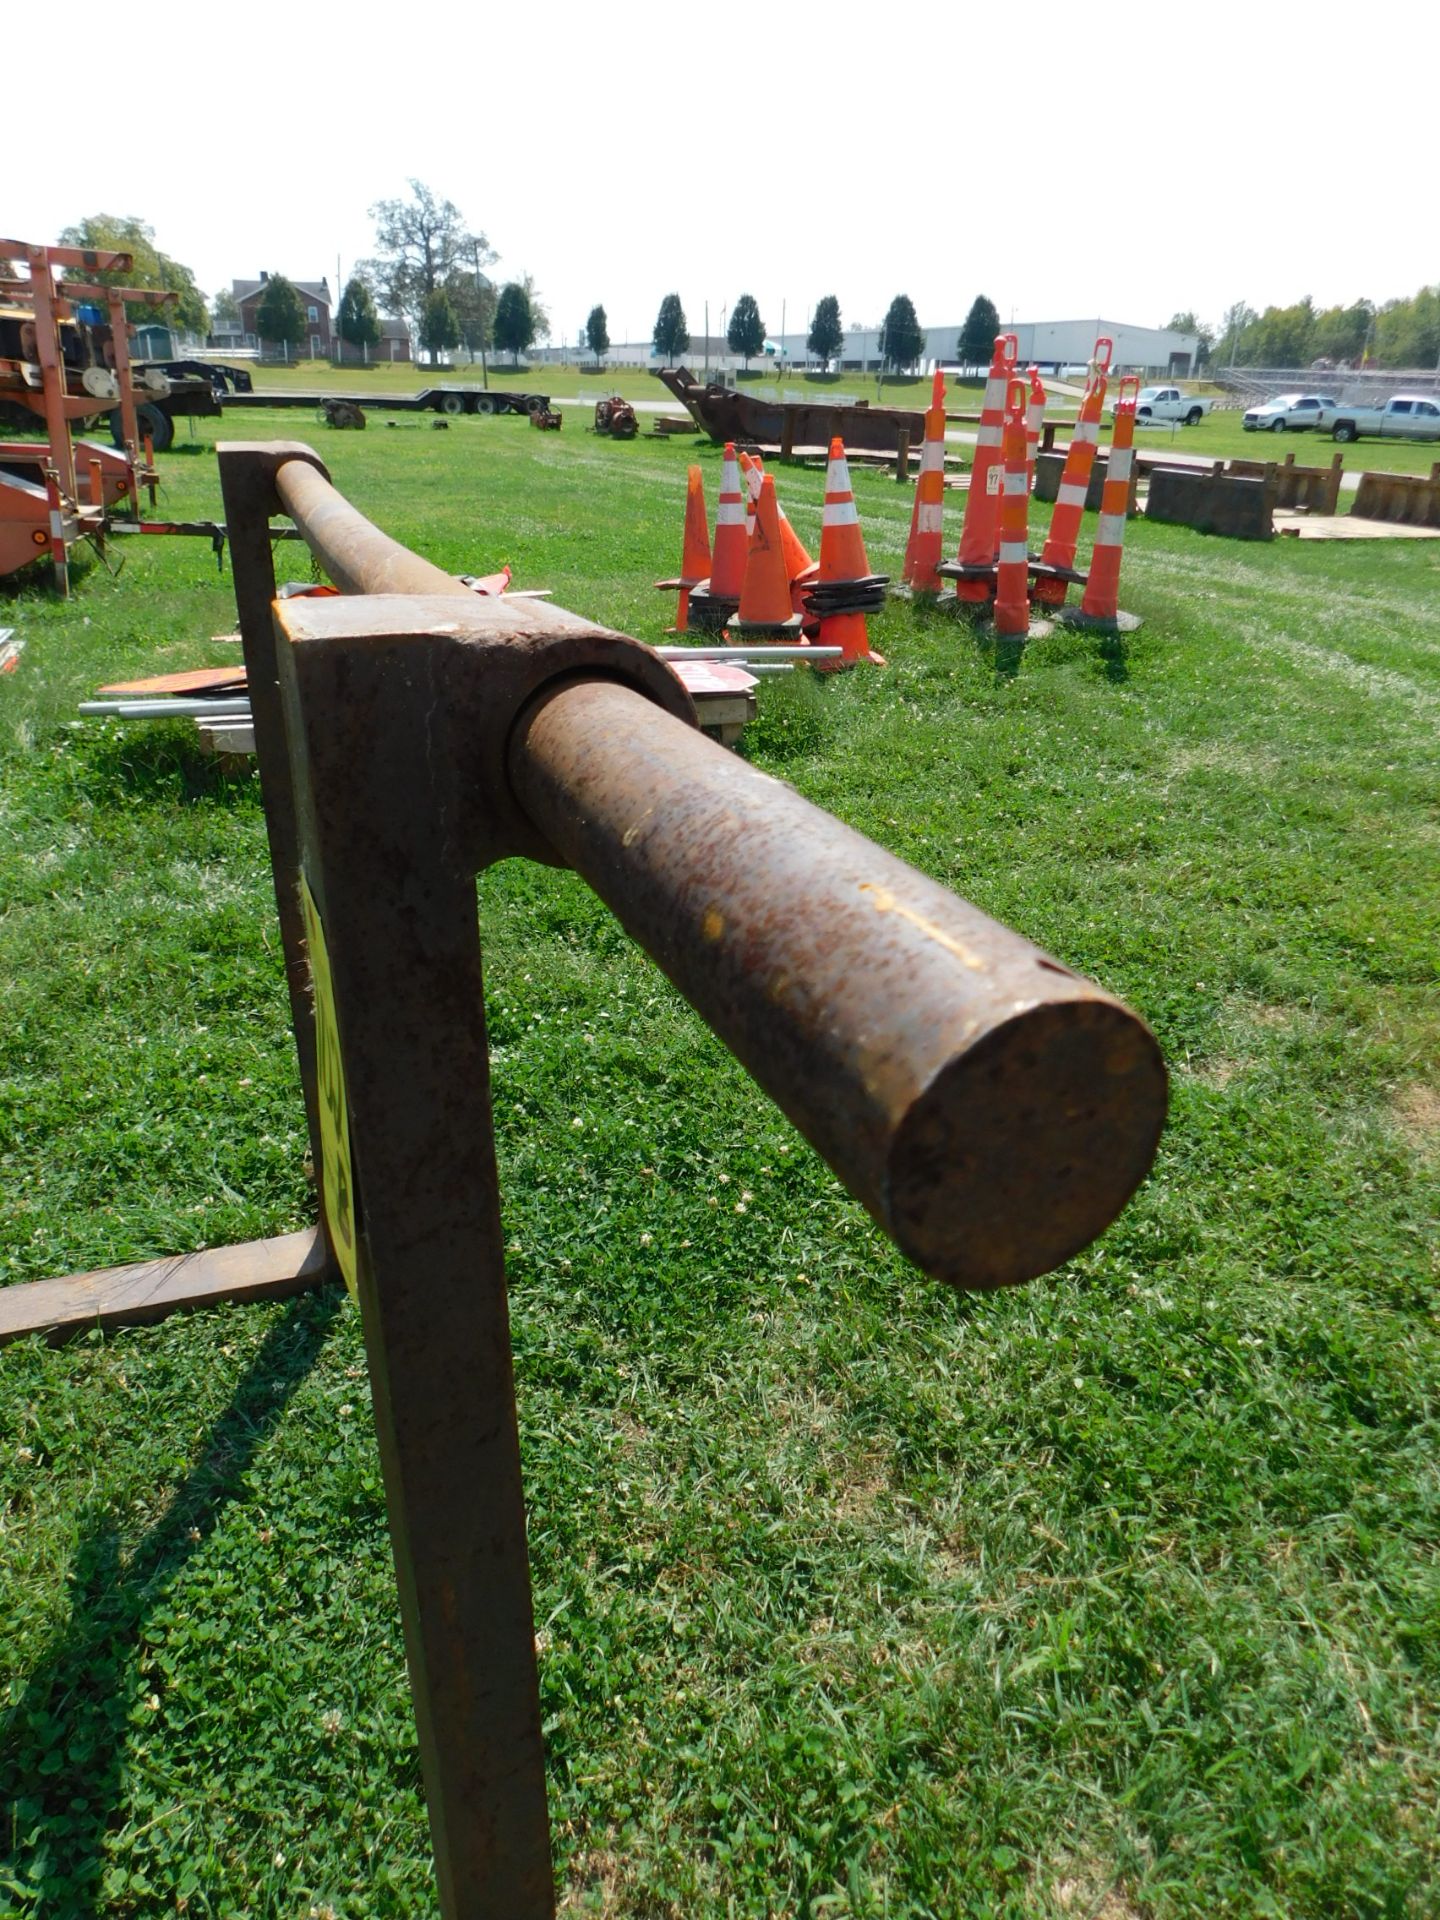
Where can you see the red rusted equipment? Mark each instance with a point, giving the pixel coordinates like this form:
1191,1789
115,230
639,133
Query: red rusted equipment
991,1109
546,419
616,417
45,375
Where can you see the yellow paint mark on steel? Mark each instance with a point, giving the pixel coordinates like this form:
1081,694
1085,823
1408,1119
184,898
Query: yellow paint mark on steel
884,901
337,1183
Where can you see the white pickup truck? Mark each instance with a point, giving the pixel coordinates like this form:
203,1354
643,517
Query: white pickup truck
1156,404
1409,416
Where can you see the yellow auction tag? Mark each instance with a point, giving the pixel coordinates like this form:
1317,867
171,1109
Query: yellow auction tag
337,1186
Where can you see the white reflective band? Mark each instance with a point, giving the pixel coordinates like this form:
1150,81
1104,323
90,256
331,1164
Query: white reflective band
1013,553
840,513
731,514
988,437
1111,530
837,478
1070,496
995,391
1087,430
932,460
931,518
993,479
1018,482
1121,461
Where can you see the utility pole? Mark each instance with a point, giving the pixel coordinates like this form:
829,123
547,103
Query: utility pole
480,308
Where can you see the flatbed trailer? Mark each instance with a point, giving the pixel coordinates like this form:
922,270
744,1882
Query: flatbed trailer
445,399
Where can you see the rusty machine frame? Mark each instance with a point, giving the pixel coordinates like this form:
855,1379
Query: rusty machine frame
76,485
992,1110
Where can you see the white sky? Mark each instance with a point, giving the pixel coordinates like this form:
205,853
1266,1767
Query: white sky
1117,161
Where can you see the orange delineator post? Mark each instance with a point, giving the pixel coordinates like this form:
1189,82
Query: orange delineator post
982,503
1101,600
1012,577
765,596
844,572
695,556
1058,558
1034,421
925,546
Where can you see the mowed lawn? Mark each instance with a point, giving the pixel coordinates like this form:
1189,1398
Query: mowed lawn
1114,1595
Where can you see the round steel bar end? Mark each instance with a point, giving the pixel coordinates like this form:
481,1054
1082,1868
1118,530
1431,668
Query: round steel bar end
1026,1146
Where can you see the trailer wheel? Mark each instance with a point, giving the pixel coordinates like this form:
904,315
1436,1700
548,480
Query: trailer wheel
485,403
157,423
536,403
452,403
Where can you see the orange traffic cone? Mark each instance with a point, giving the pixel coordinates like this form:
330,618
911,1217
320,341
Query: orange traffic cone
1100,606
927,516
1012,576
1034,421
800,569
1057,562
712,603
695,558
846,589
752,472
974,570
765,596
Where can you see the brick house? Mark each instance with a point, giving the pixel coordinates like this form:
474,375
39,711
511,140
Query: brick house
314,296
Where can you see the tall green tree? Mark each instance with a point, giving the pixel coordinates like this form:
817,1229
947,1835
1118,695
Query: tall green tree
539,312
671,336
225,309
827,335
115,233
597,333
418,242
356,320
514,321
439,330
1236,320
473,299
901,341
1407,332
1187,323
746,332
1341,332
976,344
280,317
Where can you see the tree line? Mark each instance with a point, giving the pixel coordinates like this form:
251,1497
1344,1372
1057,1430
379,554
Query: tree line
901,341
1397,333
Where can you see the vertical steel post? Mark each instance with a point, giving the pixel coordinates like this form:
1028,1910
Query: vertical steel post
396,900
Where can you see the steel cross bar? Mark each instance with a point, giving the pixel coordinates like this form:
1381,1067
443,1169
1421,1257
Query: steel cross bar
991,1109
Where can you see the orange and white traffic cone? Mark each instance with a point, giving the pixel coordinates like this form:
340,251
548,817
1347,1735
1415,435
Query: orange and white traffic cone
695,556
927,517
1057,561
765,596
1100,606
974,571
712,604
1012,575
800,569
846,590
1034,421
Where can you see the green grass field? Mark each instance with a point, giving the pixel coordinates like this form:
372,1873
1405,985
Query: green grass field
1219,436
1113,1596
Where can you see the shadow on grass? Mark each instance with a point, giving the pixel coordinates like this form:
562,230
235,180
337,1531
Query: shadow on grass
159,763
1115,657
63,1744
